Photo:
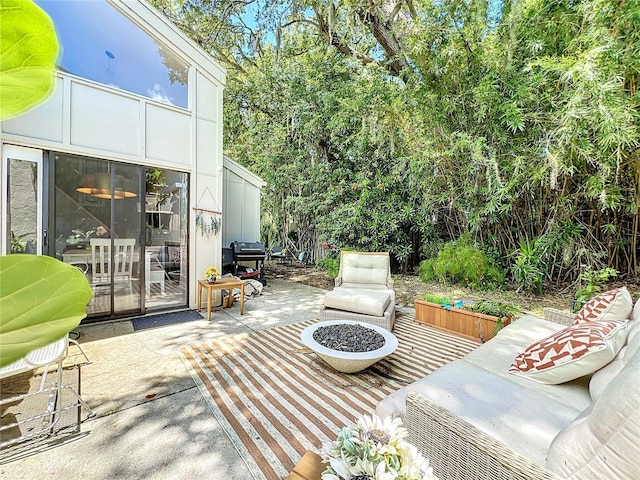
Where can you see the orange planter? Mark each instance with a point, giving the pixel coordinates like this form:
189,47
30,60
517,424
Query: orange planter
456,320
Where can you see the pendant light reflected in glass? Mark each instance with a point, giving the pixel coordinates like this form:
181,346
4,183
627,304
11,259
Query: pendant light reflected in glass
99,185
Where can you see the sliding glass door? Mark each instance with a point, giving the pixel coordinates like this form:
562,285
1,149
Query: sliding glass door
98,228
166,237
125,226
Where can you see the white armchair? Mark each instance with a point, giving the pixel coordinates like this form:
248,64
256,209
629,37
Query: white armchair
363,290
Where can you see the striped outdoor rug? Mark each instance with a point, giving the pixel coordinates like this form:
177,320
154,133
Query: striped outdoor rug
276,399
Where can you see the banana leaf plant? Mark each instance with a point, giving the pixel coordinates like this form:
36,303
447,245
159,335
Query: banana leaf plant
41,300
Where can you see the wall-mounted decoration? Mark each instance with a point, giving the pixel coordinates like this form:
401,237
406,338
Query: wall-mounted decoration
208,222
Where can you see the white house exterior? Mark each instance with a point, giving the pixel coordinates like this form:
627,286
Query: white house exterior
241,204
98,155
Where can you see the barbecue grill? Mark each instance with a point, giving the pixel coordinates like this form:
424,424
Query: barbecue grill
249,252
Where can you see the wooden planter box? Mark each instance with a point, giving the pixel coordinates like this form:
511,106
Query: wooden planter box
476,326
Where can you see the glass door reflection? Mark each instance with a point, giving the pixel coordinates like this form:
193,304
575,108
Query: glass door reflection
97,229
22,200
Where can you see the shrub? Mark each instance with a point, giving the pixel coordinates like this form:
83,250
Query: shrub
330,265
592,282
463,263
528,268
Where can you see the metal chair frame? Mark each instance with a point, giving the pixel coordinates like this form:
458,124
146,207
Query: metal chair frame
53,354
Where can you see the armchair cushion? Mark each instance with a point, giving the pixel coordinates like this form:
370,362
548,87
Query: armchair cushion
365,268
359,300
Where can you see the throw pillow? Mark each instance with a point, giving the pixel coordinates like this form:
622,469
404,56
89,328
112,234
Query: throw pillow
571,353
615,304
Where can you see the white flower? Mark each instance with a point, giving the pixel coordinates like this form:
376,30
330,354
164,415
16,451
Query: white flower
340,466
383,436
374,448
414,465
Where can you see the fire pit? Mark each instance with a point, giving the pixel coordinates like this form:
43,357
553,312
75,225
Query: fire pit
350,346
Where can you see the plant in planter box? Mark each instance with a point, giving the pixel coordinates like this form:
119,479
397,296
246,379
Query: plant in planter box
504,313
444,301
477,320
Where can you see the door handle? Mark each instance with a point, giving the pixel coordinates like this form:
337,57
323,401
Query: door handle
45,240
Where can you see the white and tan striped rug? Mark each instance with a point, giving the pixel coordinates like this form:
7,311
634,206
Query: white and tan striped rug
276,399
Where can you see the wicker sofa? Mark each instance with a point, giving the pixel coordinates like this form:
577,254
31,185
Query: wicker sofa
474,420
363,290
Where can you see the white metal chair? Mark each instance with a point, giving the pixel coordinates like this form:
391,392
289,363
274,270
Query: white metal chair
101,260
154,273
45,357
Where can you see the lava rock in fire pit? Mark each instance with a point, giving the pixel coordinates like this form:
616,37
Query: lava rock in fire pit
349,338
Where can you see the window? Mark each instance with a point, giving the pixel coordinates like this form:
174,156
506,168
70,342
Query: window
100,44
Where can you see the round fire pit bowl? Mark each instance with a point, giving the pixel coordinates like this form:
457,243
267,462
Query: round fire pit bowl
345,361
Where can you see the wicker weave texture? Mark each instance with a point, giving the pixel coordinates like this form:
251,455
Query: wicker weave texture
559,316
387,321
459,451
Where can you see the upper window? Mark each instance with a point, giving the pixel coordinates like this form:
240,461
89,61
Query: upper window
100,44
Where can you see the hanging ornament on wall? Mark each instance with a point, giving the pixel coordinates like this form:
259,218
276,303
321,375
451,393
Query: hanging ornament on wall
207,222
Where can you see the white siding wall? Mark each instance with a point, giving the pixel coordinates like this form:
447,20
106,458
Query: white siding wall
241,220
87,118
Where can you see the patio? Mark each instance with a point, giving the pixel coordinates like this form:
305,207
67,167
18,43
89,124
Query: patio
152,421
159,409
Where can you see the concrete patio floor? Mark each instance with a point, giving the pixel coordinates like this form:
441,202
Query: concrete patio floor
152,422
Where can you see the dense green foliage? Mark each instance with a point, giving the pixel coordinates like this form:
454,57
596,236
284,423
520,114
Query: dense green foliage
591,285
402,126
462,263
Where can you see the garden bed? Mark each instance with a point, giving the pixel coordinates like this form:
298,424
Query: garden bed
472,325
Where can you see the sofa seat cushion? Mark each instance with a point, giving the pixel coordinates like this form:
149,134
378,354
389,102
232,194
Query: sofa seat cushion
603,442
496,356
525,420
571,353
359,300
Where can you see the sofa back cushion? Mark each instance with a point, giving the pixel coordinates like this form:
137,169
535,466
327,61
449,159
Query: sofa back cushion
603,441
602,377
364,267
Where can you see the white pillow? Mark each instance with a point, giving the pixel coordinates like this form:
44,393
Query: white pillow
602,443
571,353
635,315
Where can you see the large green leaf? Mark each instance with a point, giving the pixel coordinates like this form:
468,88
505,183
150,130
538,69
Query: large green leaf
41,299
28,53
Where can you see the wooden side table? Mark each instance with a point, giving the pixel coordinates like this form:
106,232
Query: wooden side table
221,284
310,467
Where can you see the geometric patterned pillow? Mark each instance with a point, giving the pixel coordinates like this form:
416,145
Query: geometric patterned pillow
571,353
615,304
